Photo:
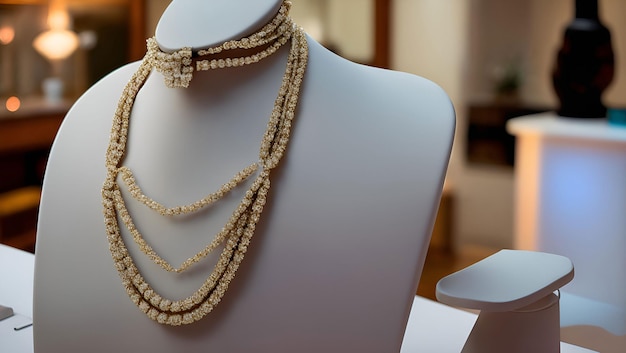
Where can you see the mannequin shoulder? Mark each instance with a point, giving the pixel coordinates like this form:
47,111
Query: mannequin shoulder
107,90
336,80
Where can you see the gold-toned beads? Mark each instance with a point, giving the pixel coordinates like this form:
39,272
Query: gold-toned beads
135,191
175,67
239,229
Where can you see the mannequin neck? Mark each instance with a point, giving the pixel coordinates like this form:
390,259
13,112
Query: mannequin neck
201,24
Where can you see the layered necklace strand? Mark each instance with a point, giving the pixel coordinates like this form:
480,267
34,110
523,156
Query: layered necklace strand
239,229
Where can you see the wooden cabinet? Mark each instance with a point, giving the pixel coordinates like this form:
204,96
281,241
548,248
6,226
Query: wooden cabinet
488,142
25,140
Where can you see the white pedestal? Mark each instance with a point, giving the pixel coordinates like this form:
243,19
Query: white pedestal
570,177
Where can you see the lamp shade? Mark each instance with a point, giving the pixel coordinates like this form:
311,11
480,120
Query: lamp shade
56,44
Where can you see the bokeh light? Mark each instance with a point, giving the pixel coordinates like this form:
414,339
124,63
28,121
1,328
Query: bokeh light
6,35
13,104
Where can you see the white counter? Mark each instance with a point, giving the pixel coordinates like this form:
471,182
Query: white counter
432,327
570,179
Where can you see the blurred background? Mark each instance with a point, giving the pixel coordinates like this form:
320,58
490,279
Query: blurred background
494,59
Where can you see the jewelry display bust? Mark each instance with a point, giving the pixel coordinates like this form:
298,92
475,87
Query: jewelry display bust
339,248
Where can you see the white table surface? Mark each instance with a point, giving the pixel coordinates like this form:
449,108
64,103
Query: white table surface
432,327
17,269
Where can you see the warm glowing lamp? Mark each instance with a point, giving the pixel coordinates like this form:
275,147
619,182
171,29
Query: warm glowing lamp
56,44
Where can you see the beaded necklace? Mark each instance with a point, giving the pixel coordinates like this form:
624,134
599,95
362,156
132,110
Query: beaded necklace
177,70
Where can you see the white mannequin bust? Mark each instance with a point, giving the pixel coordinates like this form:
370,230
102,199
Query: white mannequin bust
336,258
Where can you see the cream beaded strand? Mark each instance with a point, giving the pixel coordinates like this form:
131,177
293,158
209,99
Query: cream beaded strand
238,231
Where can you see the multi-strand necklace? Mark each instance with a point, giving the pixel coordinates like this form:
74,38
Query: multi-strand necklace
236,234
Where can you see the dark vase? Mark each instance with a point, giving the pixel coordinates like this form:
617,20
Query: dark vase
585,64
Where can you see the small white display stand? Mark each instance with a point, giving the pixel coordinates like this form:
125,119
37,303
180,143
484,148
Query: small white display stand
570,177
514,291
